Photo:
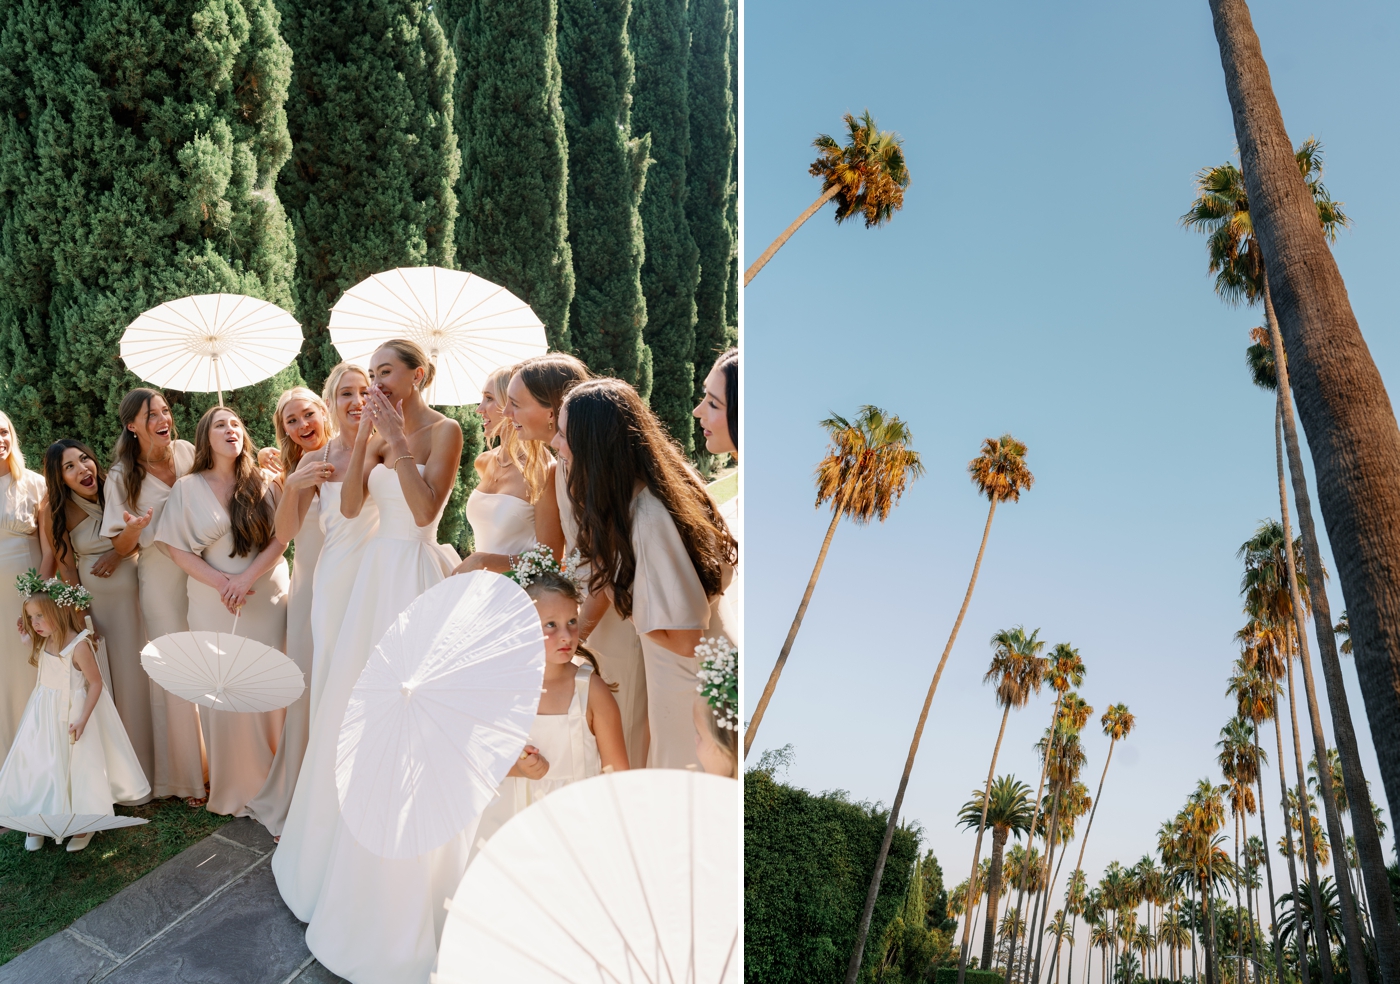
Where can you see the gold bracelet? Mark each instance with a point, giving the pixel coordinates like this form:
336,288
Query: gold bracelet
402,457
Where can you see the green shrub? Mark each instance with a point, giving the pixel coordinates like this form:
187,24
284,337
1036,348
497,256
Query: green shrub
807,866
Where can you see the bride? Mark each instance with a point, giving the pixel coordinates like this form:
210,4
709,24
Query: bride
373,919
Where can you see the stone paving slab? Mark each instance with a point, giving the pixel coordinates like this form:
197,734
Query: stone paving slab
209,915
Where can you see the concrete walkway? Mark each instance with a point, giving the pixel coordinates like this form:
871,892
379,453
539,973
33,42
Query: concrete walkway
209,915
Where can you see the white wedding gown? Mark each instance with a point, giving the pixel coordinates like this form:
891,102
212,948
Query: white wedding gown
372,920
501,523
342,552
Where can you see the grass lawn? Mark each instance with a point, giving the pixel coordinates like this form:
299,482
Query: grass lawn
44,891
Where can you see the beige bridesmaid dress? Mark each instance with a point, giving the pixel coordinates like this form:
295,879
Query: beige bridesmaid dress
180,768
614,641
667,594
269,807
240,746
19,551
116,614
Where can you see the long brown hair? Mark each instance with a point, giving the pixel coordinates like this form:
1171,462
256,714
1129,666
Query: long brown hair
549,377
59,494
615,443
291,451
531,458
128,447
250,511
548,582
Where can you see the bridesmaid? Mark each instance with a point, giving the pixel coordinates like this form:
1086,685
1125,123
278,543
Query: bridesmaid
70,535
656,543
148,459
21,492
511,477
219,527
304,428
718,413
536,392
347,390
373,919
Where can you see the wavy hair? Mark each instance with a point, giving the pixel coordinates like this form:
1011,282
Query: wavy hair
616,443
549,377
292,451
128,447
59,494
16,459
250,512
530,457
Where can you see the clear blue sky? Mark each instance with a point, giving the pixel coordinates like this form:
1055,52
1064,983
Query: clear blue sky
1037,282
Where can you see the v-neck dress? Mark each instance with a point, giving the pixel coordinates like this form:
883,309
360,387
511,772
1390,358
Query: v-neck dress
240,746
178,747
19,551
116,614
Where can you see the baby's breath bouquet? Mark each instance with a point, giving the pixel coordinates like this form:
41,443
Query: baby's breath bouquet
538,559
30,584
719,679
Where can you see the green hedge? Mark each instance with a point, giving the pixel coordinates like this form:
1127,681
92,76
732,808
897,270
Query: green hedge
807,866
949,975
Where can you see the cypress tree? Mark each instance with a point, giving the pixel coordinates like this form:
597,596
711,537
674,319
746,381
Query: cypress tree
139,144
731,297
607,171
661,44
370,185
513,227
374,155
710,183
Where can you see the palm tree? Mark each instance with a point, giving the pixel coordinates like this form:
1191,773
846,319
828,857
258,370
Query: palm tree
1017,669
1240,768
1277,591
1066,670
1256,699
1174,936
867,177
1117,723
1344,406
867,468
1059,926
1069,798
1000,473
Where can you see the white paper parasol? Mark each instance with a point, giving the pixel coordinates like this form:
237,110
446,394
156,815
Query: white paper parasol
632,876
468,326
61,825
440,713
208,343
224,671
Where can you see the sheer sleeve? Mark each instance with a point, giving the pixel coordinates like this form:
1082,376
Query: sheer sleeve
667,593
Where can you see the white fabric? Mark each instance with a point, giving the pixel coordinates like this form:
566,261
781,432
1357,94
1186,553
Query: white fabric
566,743
47,773
501,523
469,327
439,714
19,551
342,551
632,877
372,919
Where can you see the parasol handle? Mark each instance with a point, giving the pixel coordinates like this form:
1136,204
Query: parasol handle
218,381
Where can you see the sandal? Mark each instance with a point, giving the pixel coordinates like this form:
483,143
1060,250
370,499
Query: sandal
195,802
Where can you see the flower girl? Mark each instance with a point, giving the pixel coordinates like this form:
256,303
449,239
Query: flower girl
71,754
578,729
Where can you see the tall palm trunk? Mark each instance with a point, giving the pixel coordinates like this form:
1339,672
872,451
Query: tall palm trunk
1212,970
1268,861
1195,972
1239,954
1043,902
1035,815
1249,894
1371,855
1288,841
863,928
1079,865
777,244
989,934
1348,417
1324,949
989,929
751,731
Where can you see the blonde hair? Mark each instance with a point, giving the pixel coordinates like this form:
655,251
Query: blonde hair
59,616
292,451
529,457
16,459
411,354
341,370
